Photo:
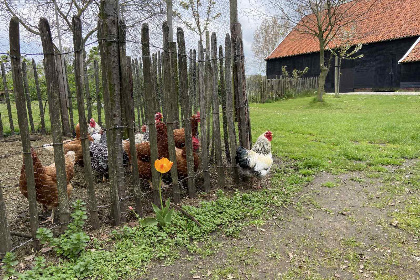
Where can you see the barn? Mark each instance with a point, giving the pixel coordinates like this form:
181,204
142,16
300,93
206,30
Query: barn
390,34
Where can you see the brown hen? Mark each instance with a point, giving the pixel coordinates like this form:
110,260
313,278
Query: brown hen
46,181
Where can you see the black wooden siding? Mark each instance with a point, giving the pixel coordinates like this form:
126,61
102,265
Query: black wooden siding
378,69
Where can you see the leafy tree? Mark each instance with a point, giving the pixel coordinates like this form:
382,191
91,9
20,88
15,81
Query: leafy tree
267,36
199,15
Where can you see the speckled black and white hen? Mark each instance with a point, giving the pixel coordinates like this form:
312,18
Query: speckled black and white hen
99,157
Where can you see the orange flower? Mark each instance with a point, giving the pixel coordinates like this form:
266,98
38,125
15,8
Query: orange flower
163,165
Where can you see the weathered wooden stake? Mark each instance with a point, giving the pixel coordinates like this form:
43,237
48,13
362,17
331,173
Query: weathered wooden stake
27,95
6,93
86,84
174,83
53,97
110,62
1,128
70,102
129,103
216,121
63,94
203,115
5,239
149,111
186,105
38,93
196,96
169,51
78,70
98,93
230,109
23,123
223,95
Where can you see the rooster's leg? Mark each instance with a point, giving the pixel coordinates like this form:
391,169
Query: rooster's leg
258,186
49,219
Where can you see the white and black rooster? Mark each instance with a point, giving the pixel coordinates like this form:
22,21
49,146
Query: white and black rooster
257,161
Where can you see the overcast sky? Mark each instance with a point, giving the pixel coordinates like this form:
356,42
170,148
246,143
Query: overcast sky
248,20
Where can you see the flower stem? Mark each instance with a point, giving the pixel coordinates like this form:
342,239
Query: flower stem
160,191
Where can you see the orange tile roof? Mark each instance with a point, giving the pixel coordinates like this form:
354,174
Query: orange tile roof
385,20
413,54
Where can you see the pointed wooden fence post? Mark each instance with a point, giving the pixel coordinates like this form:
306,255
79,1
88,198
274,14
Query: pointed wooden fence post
169,51
109,46
149,110
196,96
70,102
140,94
203,115
6,93
78,70
87,89
174,82
223,95
160,81
23,123
129,104
5,239
216,121
53,97
230,109
98,95
27,95
38,93
63,94
1,128
186,109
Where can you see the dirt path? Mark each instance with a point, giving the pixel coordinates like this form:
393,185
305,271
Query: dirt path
338,227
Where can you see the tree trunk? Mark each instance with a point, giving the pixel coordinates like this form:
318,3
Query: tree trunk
323,73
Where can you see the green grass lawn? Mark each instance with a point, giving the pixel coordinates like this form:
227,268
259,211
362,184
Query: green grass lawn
347,133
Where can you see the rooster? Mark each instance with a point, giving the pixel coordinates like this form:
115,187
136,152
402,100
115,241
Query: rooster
46,181
94,127
257,161
179,134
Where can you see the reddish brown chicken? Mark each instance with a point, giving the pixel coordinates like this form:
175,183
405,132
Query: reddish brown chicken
179,134
181,159
46,181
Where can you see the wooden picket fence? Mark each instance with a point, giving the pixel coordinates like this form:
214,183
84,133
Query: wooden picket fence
173,81
260,89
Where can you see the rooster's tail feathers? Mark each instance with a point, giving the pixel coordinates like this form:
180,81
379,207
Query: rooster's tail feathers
242,157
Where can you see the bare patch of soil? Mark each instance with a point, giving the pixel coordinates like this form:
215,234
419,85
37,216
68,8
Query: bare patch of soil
333,229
